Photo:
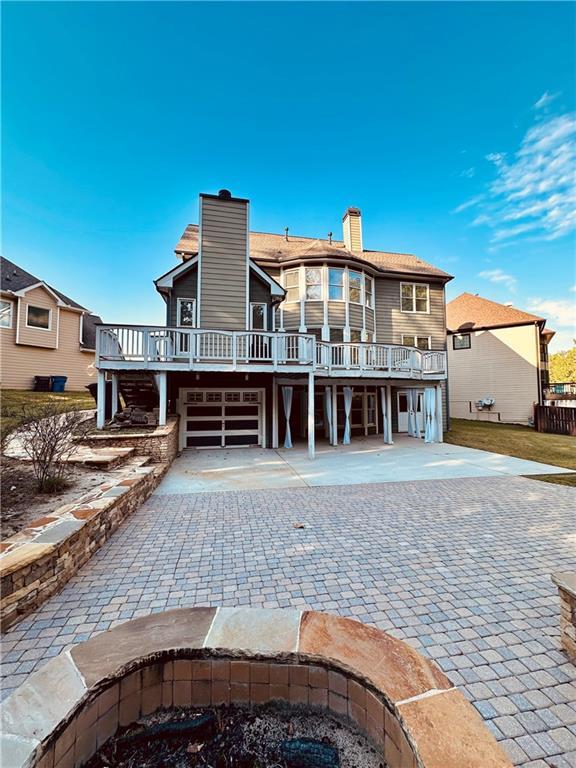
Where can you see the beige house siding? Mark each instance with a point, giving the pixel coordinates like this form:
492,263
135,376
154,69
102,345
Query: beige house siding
356,316
291,313
37,297
314,314
392,324
223,264
369,319
336,314
19,363
501,363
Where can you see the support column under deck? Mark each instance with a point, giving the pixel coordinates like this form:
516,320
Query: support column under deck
334,415
274,414
439,415
101,400
163,398
311,436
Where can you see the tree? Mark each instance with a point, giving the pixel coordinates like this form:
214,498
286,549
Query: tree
563,366
45,436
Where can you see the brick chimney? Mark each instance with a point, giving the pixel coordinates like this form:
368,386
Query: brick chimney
352,226
223,257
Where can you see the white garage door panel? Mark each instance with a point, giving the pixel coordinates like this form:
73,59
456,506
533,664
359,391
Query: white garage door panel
226,418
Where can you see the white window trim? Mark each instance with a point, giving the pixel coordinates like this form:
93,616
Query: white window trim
259,304
298,286
371,305
10,315
417,336
344,284
415,311
320,283
37,327
178,302
360,301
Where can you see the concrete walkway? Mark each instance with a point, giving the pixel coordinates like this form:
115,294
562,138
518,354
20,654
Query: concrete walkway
366,460
459,568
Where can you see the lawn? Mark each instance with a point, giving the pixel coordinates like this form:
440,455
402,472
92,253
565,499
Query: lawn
13,401
515,440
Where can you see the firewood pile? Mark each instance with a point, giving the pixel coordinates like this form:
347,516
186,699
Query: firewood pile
134,416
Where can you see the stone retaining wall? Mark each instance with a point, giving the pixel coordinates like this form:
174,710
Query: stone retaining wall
214,657
38,561
159,444
566,583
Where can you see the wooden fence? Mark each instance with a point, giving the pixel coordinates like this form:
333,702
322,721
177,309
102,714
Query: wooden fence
555,419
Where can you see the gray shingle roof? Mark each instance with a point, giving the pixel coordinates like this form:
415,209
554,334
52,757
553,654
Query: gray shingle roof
269,248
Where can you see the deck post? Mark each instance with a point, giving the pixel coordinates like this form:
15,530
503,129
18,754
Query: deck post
162,398
311,436
439,418
274,414
389,439
101,400
114,394
334,415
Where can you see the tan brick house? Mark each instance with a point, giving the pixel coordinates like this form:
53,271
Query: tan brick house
42,332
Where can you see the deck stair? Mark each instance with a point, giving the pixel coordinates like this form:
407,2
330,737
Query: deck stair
138,389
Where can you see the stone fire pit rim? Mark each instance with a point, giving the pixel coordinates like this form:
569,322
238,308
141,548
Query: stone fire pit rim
426,704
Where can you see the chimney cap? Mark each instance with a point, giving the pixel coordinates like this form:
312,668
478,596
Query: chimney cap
352,212
225,194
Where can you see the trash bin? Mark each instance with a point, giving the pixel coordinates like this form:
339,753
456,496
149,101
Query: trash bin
93,389
42,383
59,383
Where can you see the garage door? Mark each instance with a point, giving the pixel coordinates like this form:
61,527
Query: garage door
214,418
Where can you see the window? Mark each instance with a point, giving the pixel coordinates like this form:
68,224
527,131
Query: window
336,284
355,335
258,317
461,341
38,317
337,335
314,284
5,314
355,287
422,342
414,297
369,291
291,283
187,313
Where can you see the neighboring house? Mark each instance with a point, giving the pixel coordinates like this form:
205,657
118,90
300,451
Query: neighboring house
42,332
495,352
264,330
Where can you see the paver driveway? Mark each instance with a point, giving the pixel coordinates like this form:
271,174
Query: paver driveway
459,568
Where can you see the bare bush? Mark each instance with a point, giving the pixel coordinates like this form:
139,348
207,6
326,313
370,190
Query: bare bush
45,436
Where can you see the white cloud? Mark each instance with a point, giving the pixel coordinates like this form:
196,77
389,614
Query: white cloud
499,276
545,100
468,173
573,289
561,312
534,191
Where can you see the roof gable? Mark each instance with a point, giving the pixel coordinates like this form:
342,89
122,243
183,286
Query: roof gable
470,311
14,279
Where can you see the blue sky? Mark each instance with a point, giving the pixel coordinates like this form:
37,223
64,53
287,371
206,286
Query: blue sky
451,125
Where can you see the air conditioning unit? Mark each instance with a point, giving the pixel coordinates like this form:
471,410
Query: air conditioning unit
486,404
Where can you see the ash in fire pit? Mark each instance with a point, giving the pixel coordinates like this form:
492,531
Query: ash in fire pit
269,736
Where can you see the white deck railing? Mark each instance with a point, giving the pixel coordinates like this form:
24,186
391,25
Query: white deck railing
161,348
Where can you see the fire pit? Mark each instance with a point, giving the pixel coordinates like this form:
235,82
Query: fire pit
235,687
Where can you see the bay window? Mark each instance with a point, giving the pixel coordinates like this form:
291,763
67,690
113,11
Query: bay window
292,284
313,284
355,287
336,284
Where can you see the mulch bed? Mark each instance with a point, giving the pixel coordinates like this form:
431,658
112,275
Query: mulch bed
21,502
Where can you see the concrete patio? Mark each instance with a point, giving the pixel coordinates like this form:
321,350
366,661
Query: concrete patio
365,460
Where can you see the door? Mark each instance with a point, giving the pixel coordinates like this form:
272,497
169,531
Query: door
402,400
228,418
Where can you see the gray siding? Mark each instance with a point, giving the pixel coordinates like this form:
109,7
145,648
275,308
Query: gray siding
223,270
260,292
336,314
356,316
369,319
291,315
314,314
185,287
391,323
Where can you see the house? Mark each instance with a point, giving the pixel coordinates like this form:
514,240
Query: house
271,338
497,353
42,332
